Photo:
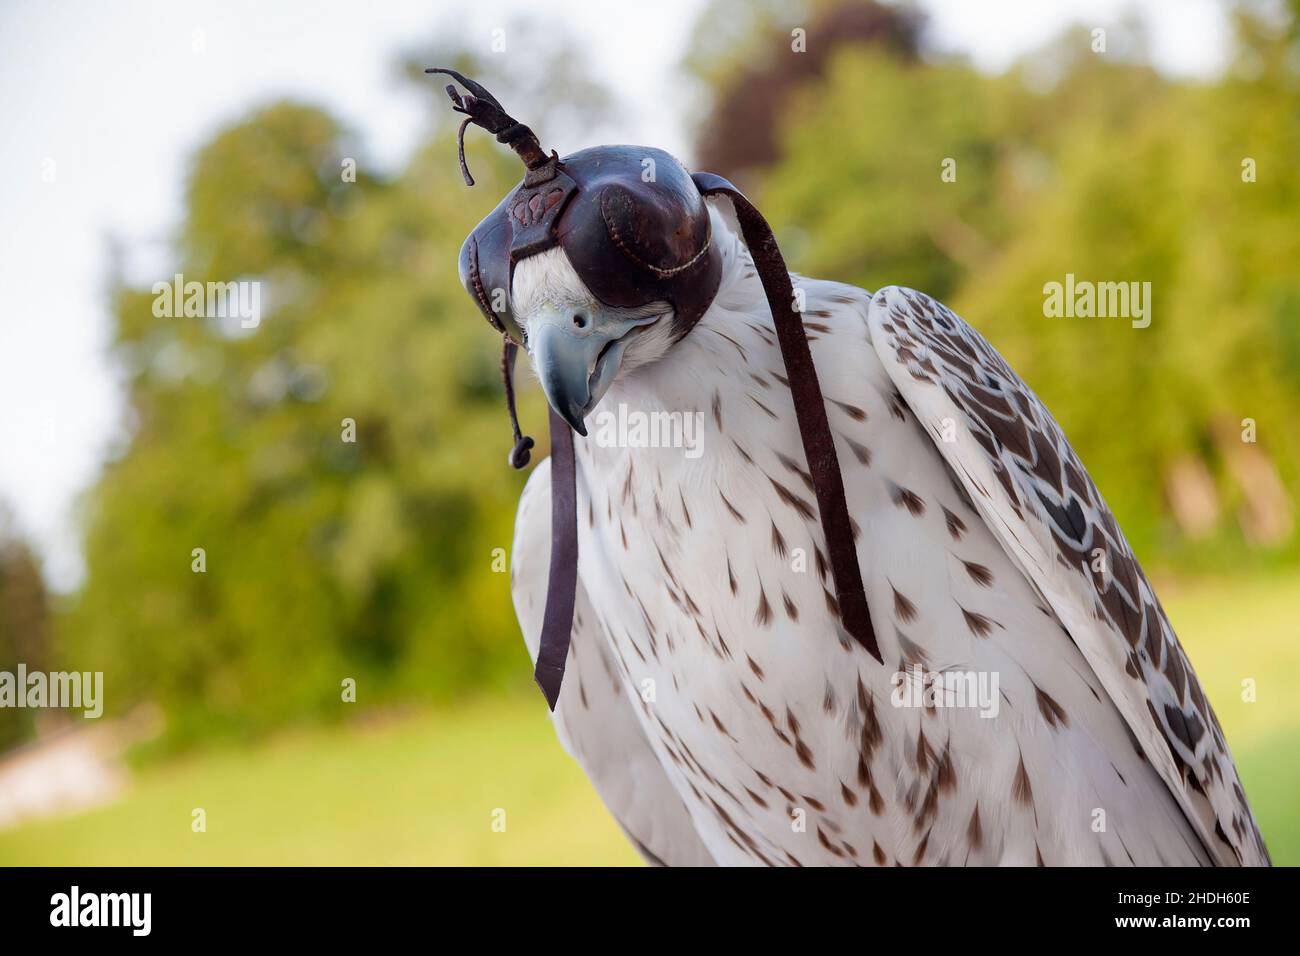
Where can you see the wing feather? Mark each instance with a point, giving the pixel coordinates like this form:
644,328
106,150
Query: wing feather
1032,491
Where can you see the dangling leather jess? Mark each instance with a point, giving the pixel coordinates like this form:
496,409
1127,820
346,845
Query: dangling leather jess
522,449
562,580
633,241
562,583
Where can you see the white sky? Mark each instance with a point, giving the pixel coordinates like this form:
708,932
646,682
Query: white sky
116,97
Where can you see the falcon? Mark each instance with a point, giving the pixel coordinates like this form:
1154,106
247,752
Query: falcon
881,616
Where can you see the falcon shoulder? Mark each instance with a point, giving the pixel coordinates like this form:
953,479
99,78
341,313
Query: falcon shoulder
1013,462
594,717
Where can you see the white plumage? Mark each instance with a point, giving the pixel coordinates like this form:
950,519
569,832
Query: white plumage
719,708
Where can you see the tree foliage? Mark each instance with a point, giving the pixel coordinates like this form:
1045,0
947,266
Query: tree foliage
24,622
323,558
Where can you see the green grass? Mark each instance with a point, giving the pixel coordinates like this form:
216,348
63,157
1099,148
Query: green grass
1248,630
421,789
413,790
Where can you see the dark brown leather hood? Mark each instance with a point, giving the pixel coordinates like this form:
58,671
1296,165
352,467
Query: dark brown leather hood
630,219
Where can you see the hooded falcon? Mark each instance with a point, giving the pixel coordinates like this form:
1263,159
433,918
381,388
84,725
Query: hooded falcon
878,613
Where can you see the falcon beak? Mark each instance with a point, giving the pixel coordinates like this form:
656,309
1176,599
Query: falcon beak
577,354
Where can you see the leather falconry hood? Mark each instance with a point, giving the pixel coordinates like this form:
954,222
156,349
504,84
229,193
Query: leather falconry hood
634,239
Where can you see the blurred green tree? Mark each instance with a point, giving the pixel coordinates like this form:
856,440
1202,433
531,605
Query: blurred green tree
25,633
752,58
324,558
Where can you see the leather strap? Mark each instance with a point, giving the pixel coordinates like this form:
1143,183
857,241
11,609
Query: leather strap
562,584
810,410
521,452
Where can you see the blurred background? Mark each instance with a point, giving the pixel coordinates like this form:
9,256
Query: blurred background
215,140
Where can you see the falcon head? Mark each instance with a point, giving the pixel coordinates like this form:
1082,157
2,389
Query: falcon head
577,344
595,263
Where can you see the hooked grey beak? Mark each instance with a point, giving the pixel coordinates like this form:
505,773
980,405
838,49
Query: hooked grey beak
577,356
